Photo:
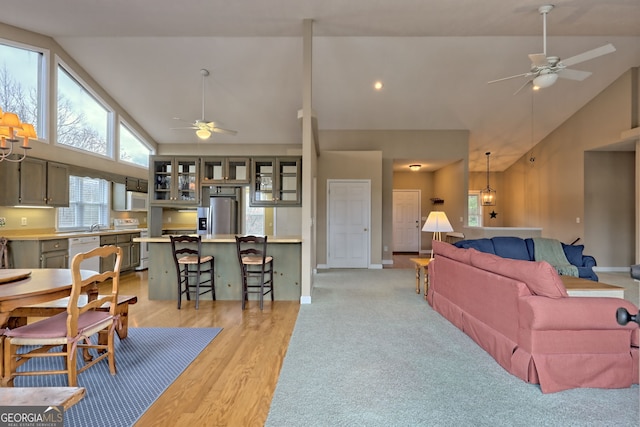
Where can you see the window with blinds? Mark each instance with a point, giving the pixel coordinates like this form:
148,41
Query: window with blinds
88,204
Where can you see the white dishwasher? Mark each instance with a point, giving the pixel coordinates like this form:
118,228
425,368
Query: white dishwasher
85,244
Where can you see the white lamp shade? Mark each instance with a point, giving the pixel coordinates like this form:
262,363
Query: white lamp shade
203,133
437,222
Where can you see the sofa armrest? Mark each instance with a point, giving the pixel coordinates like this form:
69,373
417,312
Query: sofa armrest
588,261
572,313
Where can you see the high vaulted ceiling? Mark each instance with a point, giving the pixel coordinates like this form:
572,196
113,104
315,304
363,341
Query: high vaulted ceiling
434,57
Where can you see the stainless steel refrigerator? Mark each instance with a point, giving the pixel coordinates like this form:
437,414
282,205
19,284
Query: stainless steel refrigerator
221,217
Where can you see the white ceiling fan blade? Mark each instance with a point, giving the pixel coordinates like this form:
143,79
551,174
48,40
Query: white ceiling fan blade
573,74
538,59
588,55
225,131
511,77
189,127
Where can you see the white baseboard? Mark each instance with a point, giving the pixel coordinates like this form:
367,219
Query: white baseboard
425,251
375,266
322,267
611,269
305,300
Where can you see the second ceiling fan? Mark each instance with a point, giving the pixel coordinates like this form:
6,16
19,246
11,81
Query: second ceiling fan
203,127
545,70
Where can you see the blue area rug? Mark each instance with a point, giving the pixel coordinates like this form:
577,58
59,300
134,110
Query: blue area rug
148,361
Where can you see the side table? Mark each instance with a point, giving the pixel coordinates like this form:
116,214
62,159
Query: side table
422,264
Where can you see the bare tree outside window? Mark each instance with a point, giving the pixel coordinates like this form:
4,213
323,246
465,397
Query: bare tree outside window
83,122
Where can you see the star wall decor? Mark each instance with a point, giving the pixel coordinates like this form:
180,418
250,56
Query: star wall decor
493,214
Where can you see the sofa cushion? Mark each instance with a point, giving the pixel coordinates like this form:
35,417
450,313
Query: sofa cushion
450,251
573,254
539,276
511,247
482,245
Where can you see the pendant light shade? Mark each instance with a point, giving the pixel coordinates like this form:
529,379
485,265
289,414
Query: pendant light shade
488,195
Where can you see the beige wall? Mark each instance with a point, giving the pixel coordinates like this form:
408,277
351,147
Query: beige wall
609,206
448,146
350,165
550,192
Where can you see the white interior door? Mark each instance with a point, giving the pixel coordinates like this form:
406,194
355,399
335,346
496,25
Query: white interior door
406,220
349,205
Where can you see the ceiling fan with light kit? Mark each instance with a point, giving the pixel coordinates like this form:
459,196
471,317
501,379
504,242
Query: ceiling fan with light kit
545,70
204,128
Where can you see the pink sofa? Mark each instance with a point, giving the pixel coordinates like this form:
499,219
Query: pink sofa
520,313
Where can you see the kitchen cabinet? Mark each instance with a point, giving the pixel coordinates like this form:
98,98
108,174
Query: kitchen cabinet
225,170
276,181
130,251
40,253
135,184
34,182
107,263
175,181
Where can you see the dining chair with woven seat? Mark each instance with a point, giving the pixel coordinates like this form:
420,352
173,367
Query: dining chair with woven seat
256,267
191,265
65,334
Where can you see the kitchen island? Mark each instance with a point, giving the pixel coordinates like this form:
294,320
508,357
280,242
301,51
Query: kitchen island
285,250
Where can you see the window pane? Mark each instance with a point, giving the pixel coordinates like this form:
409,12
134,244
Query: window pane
88,204
20,72
254,218
83,122
475,210
132,149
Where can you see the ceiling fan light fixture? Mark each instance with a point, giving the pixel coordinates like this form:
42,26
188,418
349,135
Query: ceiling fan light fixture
545,80
203,133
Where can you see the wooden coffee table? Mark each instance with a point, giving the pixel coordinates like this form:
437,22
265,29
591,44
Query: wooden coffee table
577,287
422,264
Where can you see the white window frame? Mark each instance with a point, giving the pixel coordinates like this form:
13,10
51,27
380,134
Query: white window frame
105,219
111,143
476,194
44,83
143,141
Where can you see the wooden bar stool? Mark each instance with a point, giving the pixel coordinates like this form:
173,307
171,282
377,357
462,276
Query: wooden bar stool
187,251
256,268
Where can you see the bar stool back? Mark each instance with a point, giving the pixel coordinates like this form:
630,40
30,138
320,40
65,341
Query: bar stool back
190,266
256,267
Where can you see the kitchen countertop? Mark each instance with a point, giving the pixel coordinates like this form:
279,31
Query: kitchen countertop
51,235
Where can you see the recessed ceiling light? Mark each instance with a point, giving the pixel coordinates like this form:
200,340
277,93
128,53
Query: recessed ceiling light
378,85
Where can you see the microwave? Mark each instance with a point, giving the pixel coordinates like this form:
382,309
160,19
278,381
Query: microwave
136,201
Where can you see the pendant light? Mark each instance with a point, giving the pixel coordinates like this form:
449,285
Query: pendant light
488,195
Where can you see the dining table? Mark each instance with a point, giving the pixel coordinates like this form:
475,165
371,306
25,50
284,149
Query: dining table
20,287
35,286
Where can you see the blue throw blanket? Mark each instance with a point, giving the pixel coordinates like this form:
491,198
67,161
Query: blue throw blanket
550,250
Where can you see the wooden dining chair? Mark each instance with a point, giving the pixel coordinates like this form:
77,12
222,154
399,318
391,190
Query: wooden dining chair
65,334
256,267
187,253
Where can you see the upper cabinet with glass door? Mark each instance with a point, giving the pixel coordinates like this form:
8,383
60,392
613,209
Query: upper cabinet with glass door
276,181
225,170
175,181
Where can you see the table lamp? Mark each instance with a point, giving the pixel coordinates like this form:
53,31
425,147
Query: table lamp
437,222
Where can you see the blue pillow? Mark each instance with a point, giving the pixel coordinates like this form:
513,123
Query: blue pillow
511,247
482,245
573,253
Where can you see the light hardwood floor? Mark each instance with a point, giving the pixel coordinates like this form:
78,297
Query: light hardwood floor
232,381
